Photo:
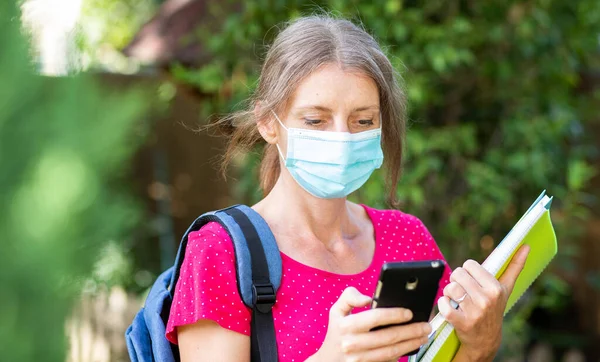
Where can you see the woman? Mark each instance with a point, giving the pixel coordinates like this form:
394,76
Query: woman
329,107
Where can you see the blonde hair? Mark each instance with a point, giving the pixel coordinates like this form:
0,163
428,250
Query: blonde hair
301,48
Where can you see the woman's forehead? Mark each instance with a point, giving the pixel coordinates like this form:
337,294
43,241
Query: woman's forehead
331,88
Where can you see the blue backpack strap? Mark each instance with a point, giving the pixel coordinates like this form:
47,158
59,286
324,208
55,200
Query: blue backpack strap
258,266
258,241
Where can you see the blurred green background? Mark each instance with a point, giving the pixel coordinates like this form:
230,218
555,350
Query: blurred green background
103,168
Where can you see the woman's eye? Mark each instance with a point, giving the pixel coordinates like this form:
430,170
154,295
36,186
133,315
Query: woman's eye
366,122
312,122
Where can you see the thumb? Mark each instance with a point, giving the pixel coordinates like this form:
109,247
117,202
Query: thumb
514,268
350,298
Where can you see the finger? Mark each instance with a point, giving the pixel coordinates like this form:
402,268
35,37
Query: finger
482,276
514,268
350,298
453,316
385,337
490,285
392,352
470,285
369,319
454,291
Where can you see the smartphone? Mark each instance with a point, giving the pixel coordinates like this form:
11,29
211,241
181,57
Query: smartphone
412,285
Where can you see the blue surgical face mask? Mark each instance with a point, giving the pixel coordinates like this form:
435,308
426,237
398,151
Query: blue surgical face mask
331,164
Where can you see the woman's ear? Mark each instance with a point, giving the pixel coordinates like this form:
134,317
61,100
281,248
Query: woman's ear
266,127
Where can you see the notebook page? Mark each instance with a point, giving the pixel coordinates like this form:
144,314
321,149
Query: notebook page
503,252
438,343
437,325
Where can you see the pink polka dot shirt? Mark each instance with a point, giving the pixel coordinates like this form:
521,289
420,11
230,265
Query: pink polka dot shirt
207,287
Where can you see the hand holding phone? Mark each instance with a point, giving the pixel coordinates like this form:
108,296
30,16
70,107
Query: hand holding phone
348,336
410,285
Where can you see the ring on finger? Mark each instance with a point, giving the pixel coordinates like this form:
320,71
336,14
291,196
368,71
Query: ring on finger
455,303
461,298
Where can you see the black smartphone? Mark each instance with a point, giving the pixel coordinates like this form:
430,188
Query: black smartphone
412,285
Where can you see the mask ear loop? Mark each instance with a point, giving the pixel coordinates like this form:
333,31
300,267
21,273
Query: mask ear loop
380,128
277,144
278,120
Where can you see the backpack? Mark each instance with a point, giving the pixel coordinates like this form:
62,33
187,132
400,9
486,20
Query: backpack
258,273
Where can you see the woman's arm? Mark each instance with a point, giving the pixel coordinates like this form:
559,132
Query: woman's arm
471,356
206,340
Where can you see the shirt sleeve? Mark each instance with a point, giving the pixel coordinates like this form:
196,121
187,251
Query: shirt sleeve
207,286
435,253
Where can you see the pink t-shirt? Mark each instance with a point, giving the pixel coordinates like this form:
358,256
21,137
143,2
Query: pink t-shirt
207,286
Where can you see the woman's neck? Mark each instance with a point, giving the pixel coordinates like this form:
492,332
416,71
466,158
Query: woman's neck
289,209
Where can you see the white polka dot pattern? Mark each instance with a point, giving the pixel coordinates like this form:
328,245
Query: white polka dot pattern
207,288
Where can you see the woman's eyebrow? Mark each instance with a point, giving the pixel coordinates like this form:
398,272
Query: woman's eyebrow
313,108
326,109
366,108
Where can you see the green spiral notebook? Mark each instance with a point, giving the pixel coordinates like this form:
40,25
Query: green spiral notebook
534,229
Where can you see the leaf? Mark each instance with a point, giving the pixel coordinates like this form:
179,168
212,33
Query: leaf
579,174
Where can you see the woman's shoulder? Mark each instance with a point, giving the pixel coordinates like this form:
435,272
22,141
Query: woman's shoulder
211,239
207,285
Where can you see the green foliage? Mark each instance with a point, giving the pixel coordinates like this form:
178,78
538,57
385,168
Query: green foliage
497,113
107,26
117,20
63,144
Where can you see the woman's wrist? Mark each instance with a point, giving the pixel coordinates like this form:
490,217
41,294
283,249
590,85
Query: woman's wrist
465,354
